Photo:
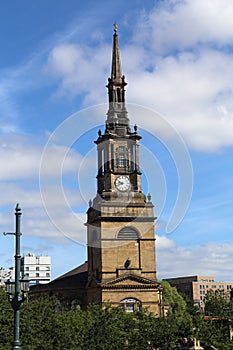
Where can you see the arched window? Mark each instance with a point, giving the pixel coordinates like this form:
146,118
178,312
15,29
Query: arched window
128,232
130,305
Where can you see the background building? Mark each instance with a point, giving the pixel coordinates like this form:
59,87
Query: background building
196,287
6,274
36,268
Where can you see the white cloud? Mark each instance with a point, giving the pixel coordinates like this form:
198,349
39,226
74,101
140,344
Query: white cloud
60,223
20,158
175,65
19,161
187,74
213,259
68,226
179,25
80,69
164,243
19,175
194,92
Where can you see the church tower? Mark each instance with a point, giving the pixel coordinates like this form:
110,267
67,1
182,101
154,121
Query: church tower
120,220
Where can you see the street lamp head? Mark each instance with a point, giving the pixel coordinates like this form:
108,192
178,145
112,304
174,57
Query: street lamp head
10,287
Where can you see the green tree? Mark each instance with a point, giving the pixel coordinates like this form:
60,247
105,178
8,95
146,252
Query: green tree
177,304
46,324
37,323
177,311
97,328
217,303
6,321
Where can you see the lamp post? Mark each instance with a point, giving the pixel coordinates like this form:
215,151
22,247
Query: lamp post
16,289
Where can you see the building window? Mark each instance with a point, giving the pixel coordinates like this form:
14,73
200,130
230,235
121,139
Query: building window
122,160
37,275
128,232
27,268
37,268
47,274
130,305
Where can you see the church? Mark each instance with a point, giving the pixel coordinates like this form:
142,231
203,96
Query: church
121,256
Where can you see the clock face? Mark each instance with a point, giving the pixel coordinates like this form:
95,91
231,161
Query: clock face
122,183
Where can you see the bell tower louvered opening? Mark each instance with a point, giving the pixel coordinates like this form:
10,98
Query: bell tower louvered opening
128,233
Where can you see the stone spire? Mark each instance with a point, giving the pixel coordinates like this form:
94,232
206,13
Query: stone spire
117,119
116,64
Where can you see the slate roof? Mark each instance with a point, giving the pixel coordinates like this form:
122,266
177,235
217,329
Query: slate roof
76,278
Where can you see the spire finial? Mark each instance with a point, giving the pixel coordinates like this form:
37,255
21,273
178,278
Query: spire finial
115,27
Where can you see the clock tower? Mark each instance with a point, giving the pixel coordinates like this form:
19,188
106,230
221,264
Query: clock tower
120,220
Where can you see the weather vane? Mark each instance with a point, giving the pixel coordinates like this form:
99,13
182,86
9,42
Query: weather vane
115,27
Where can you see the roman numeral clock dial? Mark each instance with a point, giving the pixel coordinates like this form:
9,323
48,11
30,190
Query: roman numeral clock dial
122,183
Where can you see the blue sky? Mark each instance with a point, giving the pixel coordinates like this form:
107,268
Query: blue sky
177,58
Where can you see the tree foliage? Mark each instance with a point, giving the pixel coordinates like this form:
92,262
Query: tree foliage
177,305
47,324
6,321
217,303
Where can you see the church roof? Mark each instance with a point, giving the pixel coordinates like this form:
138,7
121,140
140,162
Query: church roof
76,278
75,271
